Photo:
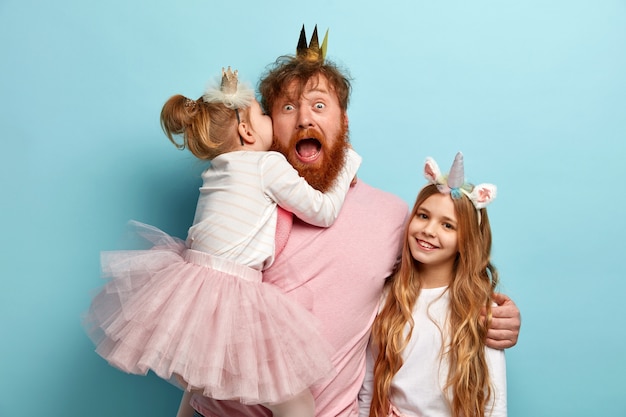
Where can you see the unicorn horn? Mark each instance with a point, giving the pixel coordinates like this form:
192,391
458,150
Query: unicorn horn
456,177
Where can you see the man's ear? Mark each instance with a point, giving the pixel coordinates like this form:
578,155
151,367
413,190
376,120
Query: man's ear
246,133
345,120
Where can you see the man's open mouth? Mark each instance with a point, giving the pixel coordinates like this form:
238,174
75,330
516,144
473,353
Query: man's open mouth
308,149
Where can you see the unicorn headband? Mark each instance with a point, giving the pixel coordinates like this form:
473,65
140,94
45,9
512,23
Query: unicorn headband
454,183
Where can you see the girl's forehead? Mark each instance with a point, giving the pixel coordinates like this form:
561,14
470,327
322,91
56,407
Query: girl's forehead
439,203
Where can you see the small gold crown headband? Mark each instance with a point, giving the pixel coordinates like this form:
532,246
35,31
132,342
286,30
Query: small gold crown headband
313,52
229,92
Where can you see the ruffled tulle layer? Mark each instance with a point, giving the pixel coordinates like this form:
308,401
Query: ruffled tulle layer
179,312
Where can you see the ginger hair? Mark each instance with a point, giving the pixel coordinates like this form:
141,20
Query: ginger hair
207,129
287,69
471,289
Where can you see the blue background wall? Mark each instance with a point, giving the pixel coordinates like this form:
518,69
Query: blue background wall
533,92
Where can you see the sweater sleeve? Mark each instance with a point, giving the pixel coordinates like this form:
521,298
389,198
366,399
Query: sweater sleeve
288,189
497,372
365,394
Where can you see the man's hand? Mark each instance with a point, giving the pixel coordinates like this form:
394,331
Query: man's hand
505,323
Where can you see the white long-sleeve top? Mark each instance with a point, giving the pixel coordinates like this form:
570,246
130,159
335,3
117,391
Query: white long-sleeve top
237,208
417,388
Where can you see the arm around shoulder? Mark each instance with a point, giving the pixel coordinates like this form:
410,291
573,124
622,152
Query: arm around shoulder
505,323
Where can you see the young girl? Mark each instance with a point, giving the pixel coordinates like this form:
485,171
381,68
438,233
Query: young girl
428,356
197,312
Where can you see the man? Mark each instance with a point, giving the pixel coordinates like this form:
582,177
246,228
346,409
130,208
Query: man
337,272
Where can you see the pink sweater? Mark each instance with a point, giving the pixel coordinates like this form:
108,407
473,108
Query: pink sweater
338,274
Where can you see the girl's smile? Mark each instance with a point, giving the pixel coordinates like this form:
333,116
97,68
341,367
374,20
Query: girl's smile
433,235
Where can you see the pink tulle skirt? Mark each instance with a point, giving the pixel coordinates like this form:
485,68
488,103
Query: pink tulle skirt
213,323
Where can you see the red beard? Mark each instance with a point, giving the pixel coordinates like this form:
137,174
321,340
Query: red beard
322,173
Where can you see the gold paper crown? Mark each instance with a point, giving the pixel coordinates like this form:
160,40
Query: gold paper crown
312,53
229,81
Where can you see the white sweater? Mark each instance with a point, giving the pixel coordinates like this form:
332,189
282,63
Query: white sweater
417,388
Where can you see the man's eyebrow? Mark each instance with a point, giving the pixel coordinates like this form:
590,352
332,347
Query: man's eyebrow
320,90
290,97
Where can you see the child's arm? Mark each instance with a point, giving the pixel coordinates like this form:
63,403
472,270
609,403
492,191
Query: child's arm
284,185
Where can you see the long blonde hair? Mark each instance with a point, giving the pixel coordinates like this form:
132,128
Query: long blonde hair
208,129
471,290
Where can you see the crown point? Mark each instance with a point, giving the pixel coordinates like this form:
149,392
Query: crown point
229,81
324,45
314,44
301,48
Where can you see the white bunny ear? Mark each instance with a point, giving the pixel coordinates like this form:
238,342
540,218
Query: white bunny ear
482,195
431,171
